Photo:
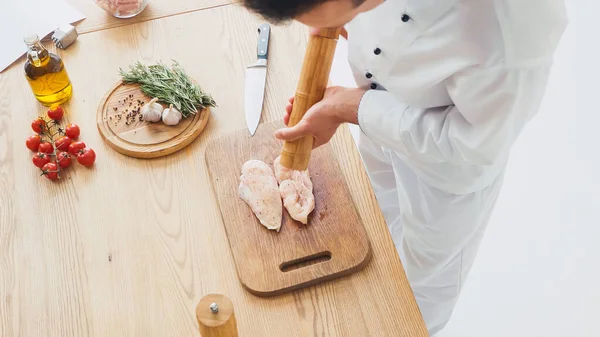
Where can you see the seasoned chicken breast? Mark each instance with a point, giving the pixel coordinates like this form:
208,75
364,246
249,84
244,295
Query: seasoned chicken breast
281,172
296,190
258,188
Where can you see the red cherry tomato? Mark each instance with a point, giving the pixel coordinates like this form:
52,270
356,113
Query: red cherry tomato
72,130
63,143
50,171
86,157
46,147
56,113
33,143
76,147
38,125
40,159
63,159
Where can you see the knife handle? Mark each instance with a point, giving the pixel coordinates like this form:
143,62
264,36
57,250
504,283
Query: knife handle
313,81
264,33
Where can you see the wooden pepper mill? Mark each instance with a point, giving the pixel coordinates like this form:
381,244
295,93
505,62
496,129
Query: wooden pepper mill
311,87
216,317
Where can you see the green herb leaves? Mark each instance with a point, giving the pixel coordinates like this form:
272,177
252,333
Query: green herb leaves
169,85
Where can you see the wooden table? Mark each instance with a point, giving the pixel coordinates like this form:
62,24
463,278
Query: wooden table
128,247
98,19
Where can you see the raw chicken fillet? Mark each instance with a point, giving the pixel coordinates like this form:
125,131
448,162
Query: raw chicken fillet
258,188
296,190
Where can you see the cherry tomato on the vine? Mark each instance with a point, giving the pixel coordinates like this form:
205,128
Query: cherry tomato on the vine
50,171
56,113
33,142
63,159
63,143
76,147
86,157
38,125
46,147
72,130
40,159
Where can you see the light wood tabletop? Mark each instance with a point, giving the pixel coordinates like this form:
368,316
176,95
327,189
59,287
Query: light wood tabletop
129,246
98,19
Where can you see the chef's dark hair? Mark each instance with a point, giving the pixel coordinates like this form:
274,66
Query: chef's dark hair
284,10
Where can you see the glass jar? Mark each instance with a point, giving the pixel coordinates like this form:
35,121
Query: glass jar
46,74
122,9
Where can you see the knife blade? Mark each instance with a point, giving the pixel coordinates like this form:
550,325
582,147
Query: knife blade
256,77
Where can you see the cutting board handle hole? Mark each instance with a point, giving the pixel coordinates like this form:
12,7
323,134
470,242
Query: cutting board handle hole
305,261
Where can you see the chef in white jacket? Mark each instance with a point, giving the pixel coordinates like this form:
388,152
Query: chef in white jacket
444,89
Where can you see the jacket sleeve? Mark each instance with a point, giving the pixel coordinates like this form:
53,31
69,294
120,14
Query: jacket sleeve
491,107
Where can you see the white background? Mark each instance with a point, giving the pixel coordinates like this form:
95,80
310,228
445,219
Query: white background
538,268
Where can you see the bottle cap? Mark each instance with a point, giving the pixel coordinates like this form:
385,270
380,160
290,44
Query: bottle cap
31,38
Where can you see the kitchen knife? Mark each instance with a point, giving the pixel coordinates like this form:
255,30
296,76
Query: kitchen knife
256,76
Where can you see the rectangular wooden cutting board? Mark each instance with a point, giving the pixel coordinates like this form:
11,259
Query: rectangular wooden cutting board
333,244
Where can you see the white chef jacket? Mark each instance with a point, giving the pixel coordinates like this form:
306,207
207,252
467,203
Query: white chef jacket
454,81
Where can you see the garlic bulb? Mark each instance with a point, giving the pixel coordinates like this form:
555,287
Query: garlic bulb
171,116
152,112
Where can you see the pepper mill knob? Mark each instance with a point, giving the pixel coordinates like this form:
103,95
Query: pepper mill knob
216,317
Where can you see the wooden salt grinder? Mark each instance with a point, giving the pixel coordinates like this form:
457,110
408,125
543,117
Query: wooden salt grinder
216,317
311,87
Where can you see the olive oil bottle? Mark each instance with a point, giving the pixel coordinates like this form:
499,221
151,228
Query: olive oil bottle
46,74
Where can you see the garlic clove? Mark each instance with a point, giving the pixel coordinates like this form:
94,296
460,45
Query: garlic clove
171,116
152,111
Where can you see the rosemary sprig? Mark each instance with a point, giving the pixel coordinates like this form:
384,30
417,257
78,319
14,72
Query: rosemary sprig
169,85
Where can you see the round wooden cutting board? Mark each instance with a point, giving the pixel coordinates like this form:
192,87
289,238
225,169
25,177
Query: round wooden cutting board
119,123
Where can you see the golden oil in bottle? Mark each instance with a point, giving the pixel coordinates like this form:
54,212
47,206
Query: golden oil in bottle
46,74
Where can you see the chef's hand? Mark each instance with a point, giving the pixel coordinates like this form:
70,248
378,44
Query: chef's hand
339,105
